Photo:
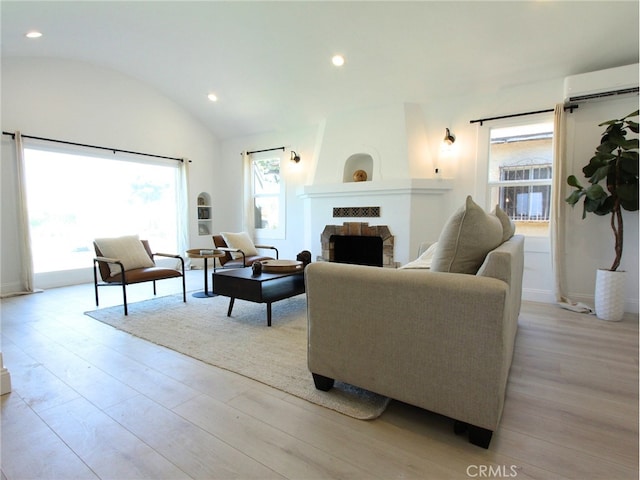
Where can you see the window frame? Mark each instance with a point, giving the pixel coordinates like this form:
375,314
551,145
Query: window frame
87,154
484,186
279,231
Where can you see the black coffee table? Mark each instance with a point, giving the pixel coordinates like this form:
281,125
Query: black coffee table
264,288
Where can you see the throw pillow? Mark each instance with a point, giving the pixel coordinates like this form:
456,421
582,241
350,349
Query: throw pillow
466,239
128,249
508,227
241,241
424,260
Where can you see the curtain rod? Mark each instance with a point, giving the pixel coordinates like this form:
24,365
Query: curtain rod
114,150
482,120
265,150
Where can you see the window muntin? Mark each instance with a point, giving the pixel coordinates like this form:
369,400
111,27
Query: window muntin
520,174
73,198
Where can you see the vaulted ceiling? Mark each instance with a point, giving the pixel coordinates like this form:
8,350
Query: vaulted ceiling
269,63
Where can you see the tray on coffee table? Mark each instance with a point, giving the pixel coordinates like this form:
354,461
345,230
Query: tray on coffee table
281,266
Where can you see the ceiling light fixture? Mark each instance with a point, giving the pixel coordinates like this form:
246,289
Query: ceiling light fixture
212,97
337,60
33,34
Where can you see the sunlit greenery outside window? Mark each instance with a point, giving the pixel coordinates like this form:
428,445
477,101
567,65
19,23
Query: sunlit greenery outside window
74,198
520,174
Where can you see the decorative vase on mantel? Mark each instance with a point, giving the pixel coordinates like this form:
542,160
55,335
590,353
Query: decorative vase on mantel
609,294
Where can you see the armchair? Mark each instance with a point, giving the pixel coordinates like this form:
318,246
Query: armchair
240,250
127,260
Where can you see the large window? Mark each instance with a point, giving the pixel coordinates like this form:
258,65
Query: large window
74,198
268,197
520,174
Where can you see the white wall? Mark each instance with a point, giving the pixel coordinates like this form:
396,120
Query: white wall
80,102
227,200
590,244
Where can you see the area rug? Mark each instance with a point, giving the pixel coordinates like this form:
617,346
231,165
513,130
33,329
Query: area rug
242,343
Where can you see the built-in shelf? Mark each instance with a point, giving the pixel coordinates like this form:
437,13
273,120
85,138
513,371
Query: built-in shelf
204,214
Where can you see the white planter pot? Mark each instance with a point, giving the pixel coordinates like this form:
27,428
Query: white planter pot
610,295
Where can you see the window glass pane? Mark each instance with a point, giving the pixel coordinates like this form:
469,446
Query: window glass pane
73,199
522,156
267,212
266,176
267,195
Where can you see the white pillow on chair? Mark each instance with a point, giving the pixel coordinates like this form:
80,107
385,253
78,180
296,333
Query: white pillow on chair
128,249
241,241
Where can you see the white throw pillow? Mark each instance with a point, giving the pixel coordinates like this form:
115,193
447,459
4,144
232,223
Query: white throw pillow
424,260
508,227
128,249
466,239
241,241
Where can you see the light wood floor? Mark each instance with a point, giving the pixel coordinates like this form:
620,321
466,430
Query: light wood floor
89,401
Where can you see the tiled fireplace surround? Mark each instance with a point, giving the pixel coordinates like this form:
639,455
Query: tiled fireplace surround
358,229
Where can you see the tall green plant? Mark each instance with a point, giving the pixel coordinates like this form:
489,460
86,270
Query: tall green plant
616,161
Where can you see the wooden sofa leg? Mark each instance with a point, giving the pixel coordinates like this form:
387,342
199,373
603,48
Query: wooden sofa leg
322,383
478,436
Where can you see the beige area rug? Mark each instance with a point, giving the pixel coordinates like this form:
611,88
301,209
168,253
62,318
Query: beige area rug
242,343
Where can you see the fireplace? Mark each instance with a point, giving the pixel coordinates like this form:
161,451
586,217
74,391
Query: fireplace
357,242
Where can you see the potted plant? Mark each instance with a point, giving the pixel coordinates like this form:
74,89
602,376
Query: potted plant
616,162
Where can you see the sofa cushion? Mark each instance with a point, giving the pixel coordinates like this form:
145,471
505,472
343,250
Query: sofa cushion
241,241
508,227
466,239
128,249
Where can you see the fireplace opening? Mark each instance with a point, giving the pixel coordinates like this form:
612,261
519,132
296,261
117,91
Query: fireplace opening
357,250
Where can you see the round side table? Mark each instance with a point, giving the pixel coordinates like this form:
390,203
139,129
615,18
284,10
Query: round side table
196,253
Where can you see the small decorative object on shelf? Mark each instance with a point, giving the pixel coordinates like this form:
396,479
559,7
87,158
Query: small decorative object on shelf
359,176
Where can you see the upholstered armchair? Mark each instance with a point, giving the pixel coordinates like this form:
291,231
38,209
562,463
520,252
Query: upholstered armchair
127,260
240,250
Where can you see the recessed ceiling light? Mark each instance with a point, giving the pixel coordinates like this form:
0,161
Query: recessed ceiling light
33,34
338,60
212,97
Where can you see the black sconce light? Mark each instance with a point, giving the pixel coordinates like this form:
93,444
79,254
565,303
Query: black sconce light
295,157
449,137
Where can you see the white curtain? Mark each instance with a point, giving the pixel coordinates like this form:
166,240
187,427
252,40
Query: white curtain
557,224
248,210
183,209
24,231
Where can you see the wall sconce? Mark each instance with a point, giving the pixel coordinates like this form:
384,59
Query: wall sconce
295,157
449,138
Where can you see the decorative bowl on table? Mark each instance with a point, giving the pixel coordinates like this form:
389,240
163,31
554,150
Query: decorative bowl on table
281,266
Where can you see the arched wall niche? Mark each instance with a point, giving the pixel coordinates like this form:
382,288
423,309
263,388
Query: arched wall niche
355,162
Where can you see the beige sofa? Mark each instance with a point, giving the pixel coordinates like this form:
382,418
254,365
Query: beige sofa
441,341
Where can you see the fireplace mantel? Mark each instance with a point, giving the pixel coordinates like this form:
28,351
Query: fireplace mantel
414,186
